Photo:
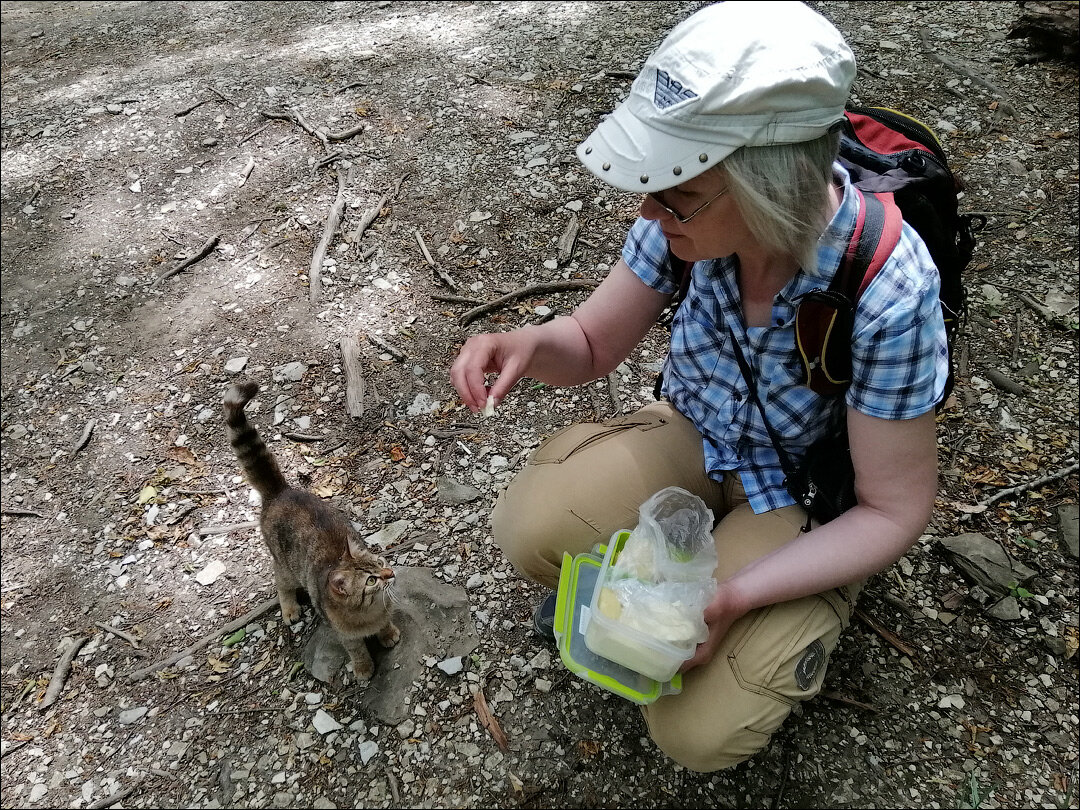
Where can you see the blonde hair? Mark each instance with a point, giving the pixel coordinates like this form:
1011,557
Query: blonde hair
782,193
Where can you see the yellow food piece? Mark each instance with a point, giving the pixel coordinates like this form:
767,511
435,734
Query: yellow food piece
608,603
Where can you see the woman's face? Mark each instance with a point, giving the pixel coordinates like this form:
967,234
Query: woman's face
714,227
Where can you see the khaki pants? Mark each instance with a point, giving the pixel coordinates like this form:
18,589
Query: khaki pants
586,482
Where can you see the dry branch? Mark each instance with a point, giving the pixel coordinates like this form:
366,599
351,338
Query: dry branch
84,439
60,674
354,377
525,292
886,634
199,255
567,240
1004,107
108,628
115,798
231,627
373,213
1046,479
379,343
423,248
191,108
246,173
333,219
21,513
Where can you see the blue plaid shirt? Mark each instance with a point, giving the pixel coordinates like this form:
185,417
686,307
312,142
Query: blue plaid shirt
899,353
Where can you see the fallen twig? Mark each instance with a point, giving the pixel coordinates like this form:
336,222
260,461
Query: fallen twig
344,136
455,299
231,627
84,439
1045,313
567,240
130,639
252,134
247,171
354,376
373,213
191,108
11,748
257,253
303,437
1004,107
613,391
488,720
21,513
423,248
888,635
60,674
333,219
393,785
199,255
1004,383
849,701
232,527
379,343
524,292
1046,479
115,798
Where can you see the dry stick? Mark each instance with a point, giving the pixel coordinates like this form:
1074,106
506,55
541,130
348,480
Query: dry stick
379,343
886,634
247,171
201,254
1045,313
115,798
21,513
333,219
63,668
130,639
354,377
613,391
1004,106
192,108
84,439
233,527
1004,383
393,786
423,248
252,134
525,292
1030,485
344,136
257,253
369,216
455,299
231,627
303,437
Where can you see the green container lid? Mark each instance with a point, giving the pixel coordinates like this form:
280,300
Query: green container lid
577,580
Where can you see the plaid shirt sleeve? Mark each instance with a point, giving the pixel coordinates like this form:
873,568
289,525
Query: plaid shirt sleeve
645,252
900,358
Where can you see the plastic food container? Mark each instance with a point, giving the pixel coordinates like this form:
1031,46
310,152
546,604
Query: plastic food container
609,638
573,615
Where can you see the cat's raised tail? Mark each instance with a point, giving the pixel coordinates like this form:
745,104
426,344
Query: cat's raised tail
260,466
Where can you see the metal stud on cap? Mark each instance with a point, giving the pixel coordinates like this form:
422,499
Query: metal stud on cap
588,150
677,171
606,166
702,157
644,178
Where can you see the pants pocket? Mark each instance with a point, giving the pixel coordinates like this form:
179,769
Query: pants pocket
574,439
785,649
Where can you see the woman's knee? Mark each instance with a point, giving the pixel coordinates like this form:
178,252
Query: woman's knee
711,749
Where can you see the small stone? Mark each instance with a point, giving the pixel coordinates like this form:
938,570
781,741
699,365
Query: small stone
210,574
366,750
451,666
129,716
324,723
235,365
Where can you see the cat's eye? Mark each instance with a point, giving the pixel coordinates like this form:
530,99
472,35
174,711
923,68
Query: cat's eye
372,580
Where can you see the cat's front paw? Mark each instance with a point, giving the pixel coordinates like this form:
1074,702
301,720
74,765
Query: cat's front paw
363,670
389,636
290,611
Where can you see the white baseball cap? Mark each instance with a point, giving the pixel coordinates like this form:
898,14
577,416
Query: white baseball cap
737,73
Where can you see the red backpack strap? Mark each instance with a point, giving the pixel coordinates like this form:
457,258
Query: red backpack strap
824,318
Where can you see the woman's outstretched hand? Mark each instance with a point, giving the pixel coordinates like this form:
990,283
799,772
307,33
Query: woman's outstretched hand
506,354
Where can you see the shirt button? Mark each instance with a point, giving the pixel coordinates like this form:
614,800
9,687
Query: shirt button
737,396
779,321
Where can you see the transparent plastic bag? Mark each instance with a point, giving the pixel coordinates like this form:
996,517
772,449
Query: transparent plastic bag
663,578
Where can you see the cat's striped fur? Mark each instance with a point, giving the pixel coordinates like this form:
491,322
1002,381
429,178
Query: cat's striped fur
314,547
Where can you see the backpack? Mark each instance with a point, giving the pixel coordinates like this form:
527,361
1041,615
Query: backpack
900,170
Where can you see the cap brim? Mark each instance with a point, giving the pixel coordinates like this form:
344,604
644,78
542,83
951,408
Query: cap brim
626,153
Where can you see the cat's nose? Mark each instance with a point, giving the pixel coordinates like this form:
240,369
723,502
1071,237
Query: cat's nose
387,573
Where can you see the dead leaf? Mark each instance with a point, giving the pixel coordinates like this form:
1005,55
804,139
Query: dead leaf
217,664
588,748
181,454
488,721
396,453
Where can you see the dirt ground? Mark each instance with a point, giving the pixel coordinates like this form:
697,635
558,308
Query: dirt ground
138,135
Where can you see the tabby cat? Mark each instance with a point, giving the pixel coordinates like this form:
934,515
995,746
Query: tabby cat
314,547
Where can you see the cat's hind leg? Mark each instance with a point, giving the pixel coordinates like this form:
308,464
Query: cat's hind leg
286,588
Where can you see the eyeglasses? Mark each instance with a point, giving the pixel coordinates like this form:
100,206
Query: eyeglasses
679,217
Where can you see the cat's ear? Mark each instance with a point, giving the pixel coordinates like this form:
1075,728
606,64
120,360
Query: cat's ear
339,584
357,549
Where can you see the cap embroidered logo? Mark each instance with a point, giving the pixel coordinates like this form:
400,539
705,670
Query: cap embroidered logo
669,91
